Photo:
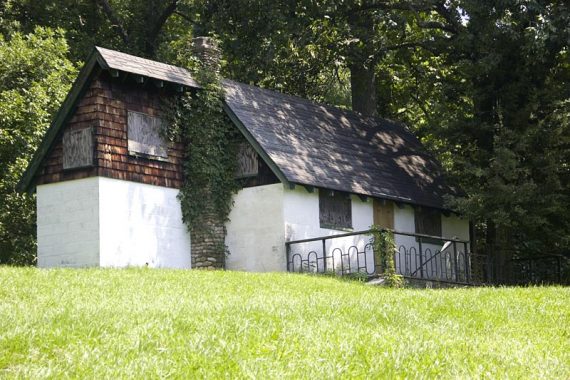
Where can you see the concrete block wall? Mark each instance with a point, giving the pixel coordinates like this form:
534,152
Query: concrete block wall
68,223
141,225
107,222
255,233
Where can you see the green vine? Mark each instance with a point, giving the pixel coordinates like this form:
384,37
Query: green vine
210,142
384,247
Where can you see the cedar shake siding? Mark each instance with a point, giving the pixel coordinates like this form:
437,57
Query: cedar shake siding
104,107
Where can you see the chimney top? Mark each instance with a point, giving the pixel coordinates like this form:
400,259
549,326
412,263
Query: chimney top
206,50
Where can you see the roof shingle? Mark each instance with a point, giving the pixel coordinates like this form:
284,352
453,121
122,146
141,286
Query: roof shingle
308,143
324,146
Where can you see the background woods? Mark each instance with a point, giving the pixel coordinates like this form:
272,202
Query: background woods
484,84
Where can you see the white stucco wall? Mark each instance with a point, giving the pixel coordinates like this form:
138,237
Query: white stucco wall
255,233
68,223
301,214
407,259
140,225
112,223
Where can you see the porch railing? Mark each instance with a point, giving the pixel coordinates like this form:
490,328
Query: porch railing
416,256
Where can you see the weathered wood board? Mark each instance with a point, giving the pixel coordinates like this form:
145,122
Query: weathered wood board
144,135
247,161
78,149
383,213
335,210
427,221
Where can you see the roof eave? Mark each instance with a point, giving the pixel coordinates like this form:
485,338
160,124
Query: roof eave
256,146
77,89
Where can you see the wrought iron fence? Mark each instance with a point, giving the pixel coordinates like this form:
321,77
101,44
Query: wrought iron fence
416,256
545,269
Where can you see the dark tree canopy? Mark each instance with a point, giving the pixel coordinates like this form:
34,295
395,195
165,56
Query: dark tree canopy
485,84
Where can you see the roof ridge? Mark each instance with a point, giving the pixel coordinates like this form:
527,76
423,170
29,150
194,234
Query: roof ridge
378,119
326,105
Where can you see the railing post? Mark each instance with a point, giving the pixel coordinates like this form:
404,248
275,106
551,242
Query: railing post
467,261
324,256
530,276
455,264
288,254
421,257
559,261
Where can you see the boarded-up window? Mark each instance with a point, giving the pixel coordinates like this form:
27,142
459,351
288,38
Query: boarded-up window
145,135
384,213
335,210
428,221
247,163
78,148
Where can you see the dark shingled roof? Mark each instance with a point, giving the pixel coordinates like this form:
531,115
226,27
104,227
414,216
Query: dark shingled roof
324,146
146,67
304,142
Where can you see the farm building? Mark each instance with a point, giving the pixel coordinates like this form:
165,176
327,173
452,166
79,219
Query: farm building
107,182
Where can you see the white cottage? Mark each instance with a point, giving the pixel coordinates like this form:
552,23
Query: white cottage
107,184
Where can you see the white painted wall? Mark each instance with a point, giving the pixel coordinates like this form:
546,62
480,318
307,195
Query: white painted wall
68,223
141,225
408,248
112,223
255,232
301,214
107,222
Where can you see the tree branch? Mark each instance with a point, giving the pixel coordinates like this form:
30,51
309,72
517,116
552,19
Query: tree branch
437,25
160,21
184,16
114,19
453,23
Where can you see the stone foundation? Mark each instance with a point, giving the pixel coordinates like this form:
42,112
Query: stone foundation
208,245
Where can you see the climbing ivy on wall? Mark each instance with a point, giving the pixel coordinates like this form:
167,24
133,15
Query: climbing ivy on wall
384,247
198,120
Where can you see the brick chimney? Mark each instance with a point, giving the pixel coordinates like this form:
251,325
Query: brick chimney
208,242
206,50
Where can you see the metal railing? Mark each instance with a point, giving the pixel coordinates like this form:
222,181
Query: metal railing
544,269
416,256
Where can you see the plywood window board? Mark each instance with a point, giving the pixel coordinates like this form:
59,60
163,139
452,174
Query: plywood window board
383,213
335,210
145,136
78,149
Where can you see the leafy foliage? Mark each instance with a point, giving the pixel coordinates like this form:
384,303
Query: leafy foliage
484,84
210,143
384,248
35,76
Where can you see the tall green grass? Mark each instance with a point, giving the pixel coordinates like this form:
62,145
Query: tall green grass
139,323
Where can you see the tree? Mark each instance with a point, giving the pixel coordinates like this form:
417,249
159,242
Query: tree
132,26
35,76
492,101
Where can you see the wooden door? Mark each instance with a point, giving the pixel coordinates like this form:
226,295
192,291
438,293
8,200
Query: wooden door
384,213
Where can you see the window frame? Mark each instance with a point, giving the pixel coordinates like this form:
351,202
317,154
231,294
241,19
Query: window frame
420,215
340,201
157,123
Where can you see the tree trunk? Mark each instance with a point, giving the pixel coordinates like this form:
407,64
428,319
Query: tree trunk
363,89
362,64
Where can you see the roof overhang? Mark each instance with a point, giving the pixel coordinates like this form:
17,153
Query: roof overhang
117,64
93,63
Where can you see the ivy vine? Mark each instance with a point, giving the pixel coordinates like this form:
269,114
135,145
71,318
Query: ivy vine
384,247
197,119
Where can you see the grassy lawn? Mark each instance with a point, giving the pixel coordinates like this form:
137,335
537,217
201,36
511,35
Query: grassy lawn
186,324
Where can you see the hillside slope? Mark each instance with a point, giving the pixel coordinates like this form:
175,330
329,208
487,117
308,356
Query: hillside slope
142,323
